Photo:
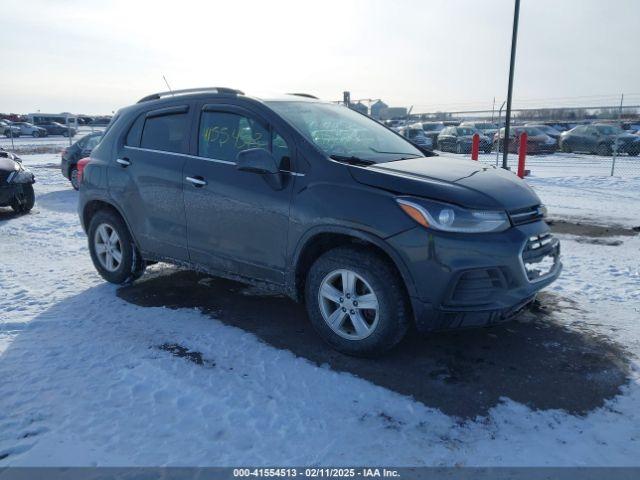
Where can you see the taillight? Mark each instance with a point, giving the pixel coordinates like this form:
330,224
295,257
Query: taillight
80,166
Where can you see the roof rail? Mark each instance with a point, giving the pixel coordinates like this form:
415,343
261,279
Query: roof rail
156,96
306,95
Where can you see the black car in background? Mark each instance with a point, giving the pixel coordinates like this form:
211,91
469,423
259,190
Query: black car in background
73,154
459,140
546,129
537,140
55,128
486,128
16,184
432,130
599,139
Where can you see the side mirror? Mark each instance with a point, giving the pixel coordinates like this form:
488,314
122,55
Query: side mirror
257,160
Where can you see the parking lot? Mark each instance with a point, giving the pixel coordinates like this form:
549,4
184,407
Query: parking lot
208,371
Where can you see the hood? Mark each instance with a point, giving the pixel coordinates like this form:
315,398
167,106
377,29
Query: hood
463,182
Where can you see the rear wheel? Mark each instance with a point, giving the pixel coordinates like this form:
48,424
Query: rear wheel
73,177
25,200
36,134
113,252
566,148
356,302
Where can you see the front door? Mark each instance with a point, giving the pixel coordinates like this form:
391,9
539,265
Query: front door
236,222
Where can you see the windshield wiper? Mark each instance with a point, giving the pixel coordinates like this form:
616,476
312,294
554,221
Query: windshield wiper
352,160
413,155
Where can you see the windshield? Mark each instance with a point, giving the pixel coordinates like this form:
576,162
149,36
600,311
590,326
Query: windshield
609,130
339,131
432,127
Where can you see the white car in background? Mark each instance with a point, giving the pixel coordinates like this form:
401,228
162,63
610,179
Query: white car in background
27,128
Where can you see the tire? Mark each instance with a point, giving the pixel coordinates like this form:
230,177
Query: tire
131,265
566,148
25,202
73,178
387,325
35,134
603,150
487,150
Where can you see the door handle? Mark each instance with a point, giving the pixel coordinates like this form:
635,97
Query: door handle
196,181
124,162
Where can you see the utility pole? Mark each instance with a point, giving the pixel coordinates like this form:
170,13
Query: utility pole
621,100
507,125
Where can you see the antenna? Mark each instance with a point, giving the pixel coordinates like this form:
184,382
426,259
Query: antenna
168,86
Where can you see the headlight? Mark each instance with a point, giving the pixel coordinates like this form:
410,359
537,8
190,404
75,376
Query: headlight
451,218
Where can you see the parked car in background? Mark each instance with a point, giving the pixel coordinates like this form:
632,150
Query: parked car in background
432,130
27,128
9,130
537,140
16,184
415,134
459,140
55,128
74,153
318,202
552,132
599,139
486,128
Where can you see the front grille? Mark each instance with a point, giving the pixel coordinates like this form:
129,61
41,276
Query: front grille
526,215
540,255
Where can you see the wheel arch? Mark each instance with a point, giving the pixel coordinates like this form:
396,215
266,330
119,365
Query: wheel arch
322,239
94,206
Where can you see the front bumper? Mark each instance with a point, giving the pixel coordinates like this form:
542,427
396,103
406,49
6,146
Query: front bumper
462,280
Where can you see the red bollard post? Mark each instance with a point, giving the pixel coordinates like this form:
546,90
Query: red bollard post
522,154
475,146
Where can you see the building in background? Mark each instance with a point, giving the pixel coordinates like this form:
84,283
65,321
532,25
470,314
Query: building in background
376,108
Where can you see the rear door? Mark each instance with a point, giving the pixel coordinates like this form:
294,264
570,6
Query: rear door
146,180
236,221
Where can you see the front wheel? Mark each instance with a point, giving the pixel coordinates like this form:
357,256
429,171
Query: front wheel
25,200
112,250
36,134
356,302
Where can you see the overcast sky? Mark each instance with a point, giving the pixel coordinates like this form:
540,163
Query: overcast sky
96,56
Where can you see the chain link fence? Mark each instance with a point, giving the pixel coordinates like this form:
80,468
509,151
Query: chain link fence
572,141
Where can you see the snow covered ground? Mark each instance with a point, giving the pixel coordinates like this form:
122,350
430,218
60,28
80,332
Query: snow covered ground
83,382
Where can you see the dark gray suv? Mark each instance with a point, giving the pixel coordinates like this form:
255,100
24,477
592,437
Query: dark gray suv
319,202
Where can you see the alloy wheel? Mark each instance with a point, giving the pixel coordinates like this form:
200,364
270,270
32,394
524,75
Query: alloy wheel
348,304
108,247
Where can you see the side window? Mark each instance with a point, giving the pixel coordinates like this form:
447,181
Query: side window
133,137
223,134
281,151
165,132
